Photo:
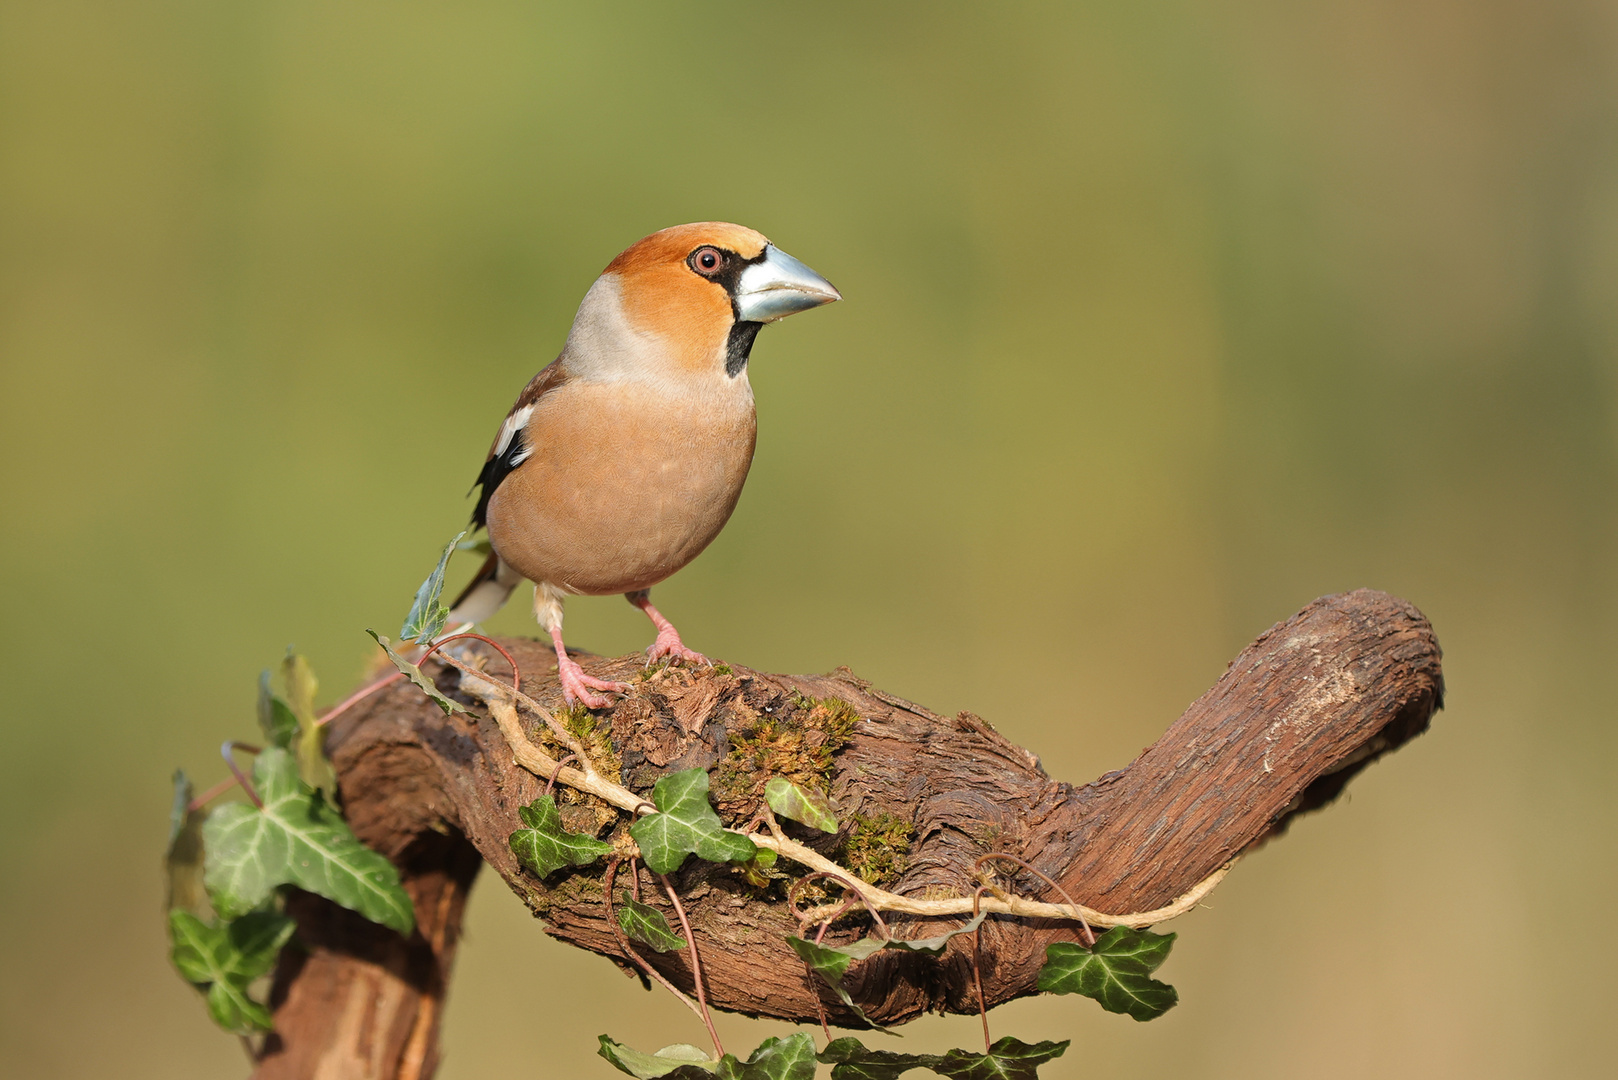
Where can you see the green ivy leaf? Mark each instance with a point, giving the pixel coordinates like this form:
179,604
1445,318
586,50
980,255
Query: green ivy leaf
831,964
301,687
275,717
415,675
791,1058
183,860
678,1062
544,848
296,839
1116,972
427,616
686,825
1007,1059
760,869
812,808
850,1059
647,925
222,960
935,945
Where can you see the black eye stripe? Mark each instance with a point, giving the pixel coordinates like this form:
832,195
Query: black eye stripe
729,272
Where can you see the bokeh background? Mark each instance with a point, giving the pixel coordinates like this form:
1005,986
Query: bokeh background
1163,319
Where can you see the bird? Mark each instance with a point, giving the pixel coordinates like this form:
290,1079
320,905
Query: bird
624,457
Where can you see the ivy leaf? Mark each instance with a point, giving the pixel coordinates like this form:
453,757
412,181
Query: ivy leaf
678,1062
791,1058
647,925
544,848
831,964
1007,1059
296,839
222,960
301,687
415,675
686,825
760,869
850,1059
1116,972
183,860
935,945
812,808
427,616
275,717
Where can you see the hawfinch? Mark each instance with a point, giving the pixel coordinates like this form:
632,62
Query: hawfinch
624,457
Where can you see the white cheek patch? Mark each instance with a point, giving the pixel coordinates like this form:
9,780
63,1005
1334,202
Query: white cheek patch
508,431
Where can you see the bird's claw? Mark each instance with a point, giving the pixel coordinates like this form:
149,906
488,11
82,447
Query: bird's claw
668,646
576,685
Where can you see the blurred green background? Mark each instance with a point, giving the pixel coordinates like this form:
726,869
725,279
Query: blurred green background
1163,319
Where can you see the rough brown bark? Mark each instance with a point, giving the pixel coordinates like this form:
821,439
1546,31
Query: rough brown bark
1298,713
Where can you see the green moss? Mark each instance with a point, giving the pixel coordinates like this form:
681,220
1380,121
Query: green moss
597,739
877,847
800,742
596,736
576,719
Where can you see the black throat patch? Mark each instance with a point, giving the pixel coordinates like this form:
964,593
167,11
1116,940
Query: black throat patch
739,346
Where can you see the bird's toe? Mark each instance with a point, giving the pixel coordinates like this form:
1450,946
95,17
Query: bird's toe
668,646
577,686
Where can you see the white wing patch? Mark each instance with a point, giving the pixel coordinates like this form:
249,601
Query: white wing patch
508,431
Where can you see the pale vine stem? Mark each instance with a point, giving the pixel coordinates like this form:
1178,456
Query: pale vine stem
1088,934
502,701
826,914
563,735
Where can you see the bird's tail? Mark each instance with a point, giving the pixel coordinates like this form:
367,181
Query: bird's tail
486,593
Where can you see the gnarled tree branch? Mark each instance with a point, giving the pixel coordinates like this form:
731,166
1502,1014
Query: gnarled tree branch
1295,716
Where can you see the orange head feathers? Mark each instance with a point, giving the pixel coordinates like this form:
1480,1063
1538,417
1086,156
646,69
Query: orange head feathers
704,289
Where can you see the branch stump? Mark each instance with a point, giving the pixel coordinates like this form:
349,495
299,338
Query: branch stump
1296,715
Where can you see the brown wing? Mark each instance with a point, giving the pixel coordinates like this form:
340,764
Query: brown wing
511,445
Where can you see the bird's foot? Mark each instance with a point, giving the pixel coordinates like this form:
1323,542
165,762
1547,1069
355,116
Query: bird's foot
577,686
668,646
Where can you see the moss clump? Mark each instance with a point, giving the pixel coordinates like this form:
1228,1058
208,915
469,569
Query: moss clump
596,737
877,847
582,812
799,742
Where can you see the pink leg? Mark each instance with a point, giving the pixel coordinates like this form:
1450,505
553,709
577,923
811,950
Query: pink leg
576,685
668,643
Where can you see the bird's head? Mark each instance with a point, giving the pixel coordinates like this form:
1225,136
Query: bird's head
699,292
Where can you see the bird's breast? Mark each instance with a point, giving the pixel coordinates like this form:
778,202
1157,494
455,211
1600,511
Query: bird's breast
625,484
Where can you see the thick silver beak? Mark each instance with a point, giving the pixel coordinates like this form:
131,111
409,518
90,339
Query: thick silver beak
779,285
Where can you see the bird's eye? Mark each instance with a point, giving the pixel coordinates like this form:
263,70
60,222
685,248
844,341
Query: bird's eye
707,261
